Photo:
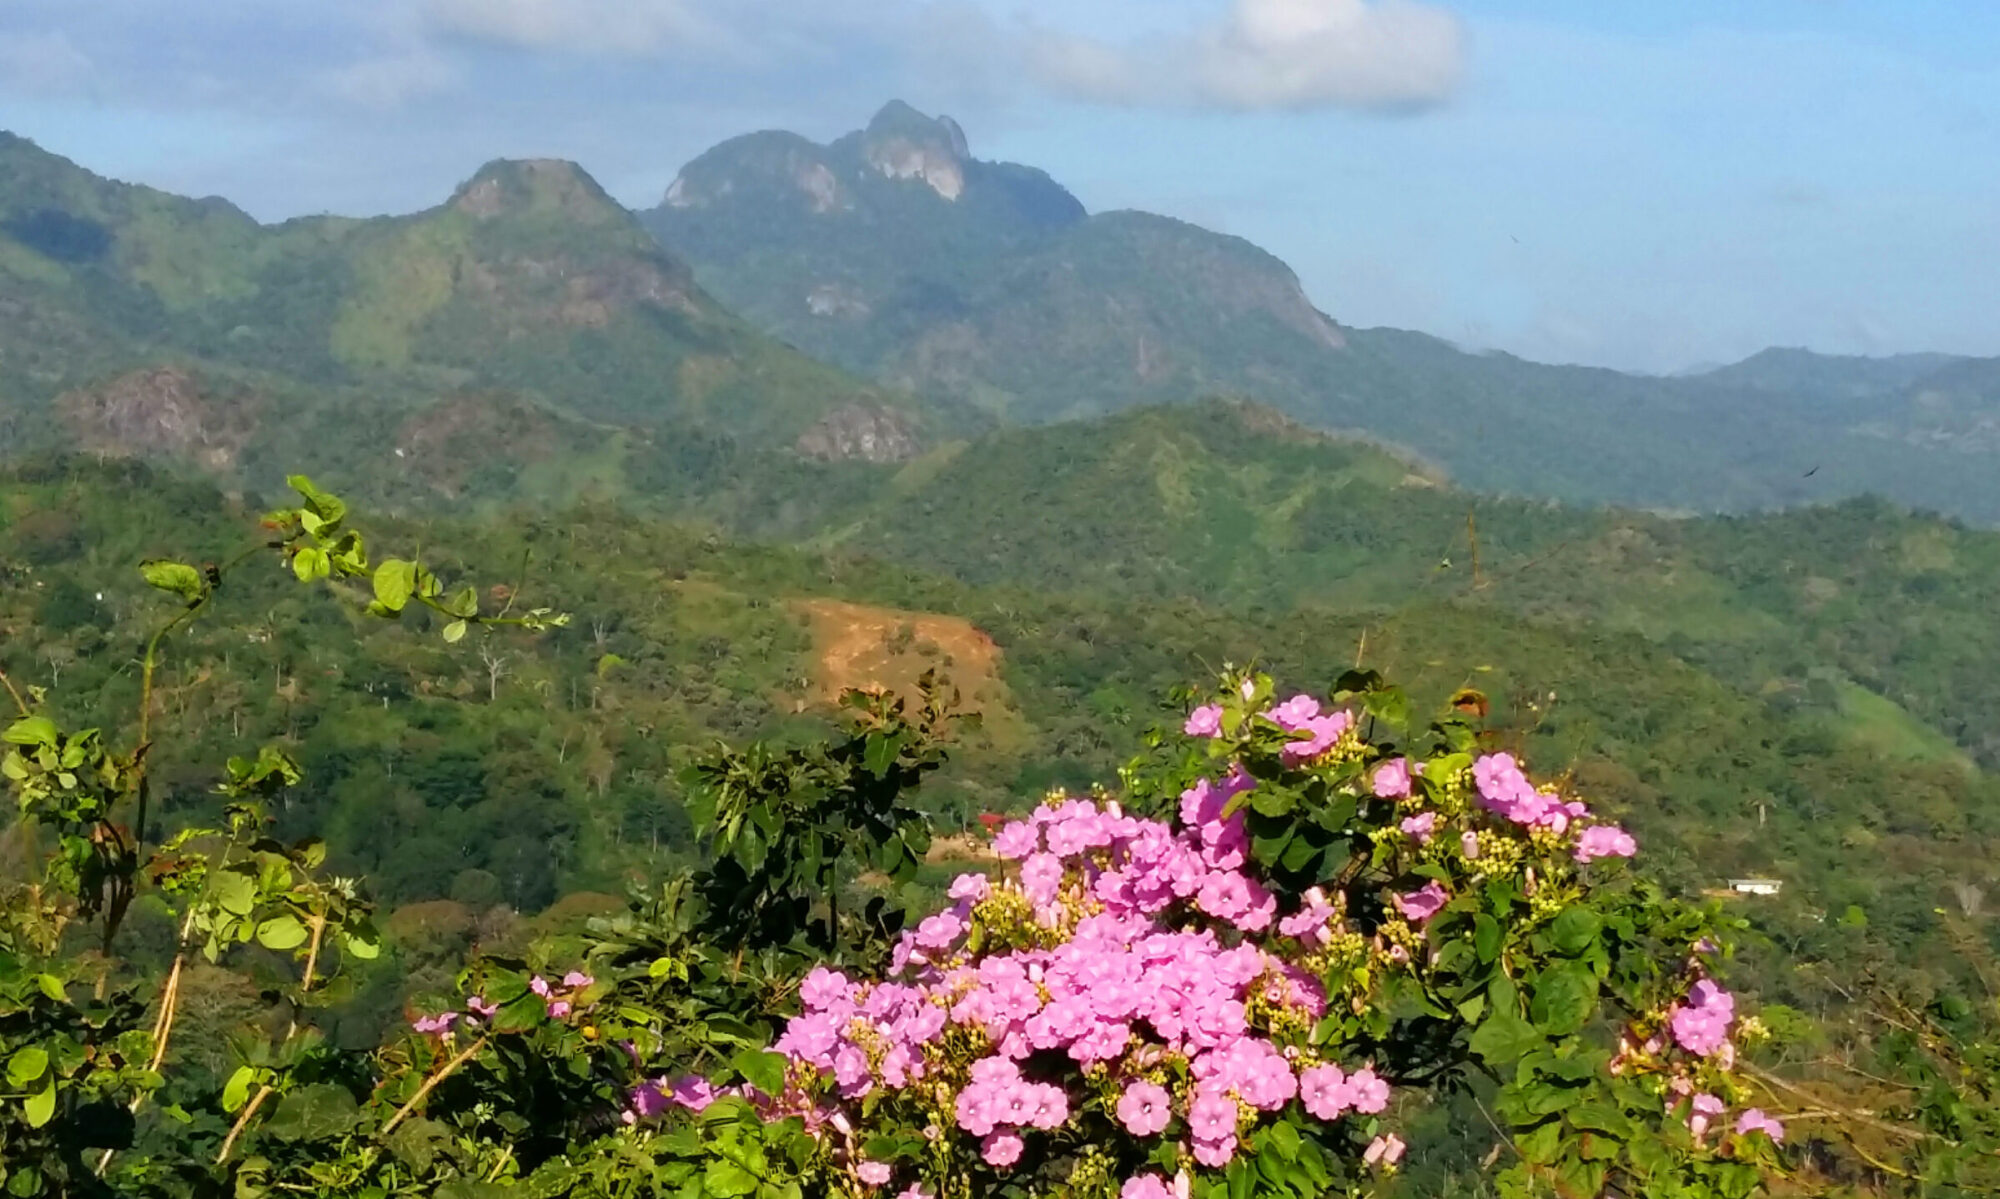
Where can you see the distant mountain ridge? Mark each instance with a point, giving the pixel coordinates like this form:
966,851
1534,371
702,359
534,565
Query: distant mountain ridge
536,341
528,291
897,254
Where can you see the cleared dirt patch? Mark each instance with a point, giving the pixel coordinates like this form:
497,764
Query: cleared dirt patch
858,645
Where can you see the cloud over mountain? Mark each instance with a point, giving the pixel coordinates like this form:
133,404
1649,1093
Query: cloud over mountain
1271,54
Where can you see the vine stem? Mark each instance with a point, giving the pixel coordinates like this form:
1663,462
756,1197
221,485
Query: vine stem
18,701
264,1092
312,963
431,1084
236,1130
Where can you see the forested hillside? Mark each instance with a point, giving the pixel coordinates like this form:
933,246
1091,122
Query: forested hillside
512,773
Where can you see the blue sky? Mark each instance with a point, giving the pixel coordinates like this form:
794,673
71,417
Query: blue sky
1643,185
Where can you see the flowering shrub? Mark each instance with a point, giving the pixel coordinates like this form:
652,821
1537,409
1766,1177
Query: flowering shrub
1219,982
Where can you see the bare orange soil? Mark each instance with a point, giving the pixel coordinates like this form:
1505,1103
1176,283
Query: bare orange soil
858,645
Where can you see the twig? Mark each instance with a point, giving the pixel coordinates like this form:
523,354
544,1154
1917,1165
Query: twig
236,1130
1868,1118
431,1083
18,701
312,963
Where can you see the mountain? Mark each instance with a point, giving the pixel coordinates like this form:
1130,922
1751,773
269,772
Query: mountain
896,253
528,316
1784,369
1236,505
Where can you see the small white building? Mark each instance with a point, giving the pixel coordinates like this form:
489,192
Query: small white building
1756,886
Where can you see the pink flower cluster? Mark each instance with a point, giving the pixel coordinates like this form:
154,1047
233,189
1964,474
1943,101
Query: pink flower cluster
1103,980
560,998
1301,714
1504,789
1701,1024
476,1010
1705,1109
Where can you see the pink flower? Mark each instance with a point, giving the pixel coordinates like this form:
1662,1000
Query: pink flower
559,1009
1371,1094
693,1093
1420,905
1215,1154
1145,1108
1002,1149
539,986
649,1099
1701,1025
1324,1092
1604,841
1754,1120
478,1006
1041,876
969,887
1145,1186
1205,721
577,980
440,1023
823,988
1294,713
1703,1108
1392,779
1324,732
873,1173
1212,1115
1384,1150
1421,827
1017,841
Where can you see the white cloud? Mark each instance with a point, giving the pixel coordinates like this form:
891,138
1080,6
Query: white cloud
627,27
1270,54
1250,54
393,77
41,63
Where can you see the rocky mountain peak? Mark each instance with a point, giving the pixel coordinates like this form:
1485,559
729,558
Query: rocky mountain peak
903,143
522,186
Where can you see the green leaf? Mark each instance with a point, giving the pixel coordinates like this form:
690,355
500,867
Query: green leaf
52,987
26,1066
524,1013
727,1179
236,1092
32,730
1574,929
1601,1117
465,603
176,578
236,893
1563,1000
41,1106
311,563
395,582
1540,1145
313,1113
361,943
1486,936
763,1070
1504,1037
329,508
281,933
454,632
880,751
